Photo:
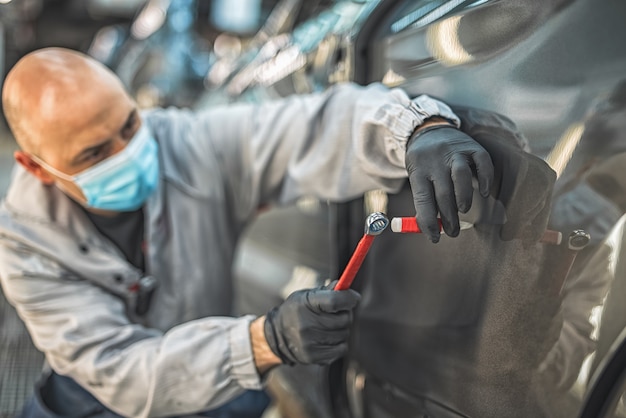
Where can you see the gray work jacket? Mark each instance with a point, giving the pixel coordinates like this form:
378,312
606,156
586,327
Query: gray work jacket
75,291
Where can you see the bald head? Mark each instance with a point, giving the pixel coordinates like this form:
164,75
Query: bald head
52,91
67,112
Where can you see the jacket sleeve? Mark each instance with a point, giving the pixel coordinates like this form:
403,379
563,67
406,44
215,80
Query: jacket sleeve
333,146
135,371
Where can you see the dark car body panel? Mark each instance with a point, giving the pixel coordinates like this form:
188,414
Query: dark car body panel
474,326
551,67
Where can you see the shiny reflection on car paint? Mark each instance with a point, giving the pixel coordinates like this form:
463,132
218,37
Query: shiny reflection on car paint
555,68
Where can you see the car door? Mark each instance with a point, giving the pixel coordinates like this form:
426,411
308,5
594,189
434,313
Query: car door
468,328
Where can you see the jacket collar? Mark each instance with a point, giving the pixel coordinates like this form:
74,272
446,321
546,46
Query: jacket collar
31,201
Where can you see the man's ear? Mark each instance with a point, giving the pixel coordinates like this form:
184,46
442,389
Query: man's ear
33,167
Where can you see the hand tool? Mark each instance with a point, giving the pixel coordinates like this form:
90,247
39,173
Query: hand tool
408,224
375,223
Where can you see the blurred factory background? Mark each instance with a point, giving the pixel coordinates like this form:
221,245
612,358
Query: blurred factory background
555,67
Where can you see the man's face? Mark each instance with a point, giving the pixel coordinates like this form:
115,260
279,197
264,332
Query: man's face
93,127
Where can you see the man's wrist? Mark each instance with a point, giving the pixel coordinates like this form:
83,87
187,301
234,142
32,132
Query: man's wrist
264,357
434,121
429,124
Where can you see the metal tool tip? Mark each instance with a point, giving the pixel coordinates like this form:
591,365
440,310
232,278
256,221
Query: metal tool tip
376,223
578,239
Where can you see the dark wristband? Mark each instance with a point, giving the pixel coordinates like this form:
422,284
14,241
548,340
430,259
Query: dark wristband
419,131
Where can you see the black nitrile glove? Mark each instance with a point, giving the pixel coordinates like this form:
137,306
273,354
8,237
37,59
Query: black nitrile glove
311,326
441,161
522,182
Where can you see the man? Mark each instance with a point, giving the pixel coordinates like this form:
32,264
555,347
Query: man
118,230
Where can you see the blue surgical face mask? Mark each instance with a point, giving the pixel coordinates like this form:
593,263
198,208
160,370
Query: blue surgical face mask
122,182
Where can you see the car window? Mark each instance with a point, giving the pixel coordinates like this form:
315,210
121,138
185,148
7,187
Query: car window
421,13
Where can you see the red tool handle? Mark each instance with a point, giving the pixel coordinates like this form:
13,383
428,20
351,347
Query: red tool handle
408,225
347,277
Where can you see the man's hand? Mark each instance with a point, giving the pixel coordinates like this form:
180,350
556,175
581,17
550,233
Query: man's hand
441,161
311,326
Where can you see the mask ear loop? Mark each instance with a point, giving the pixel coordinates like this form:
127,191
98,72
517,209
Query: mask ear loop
56,172
51,169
